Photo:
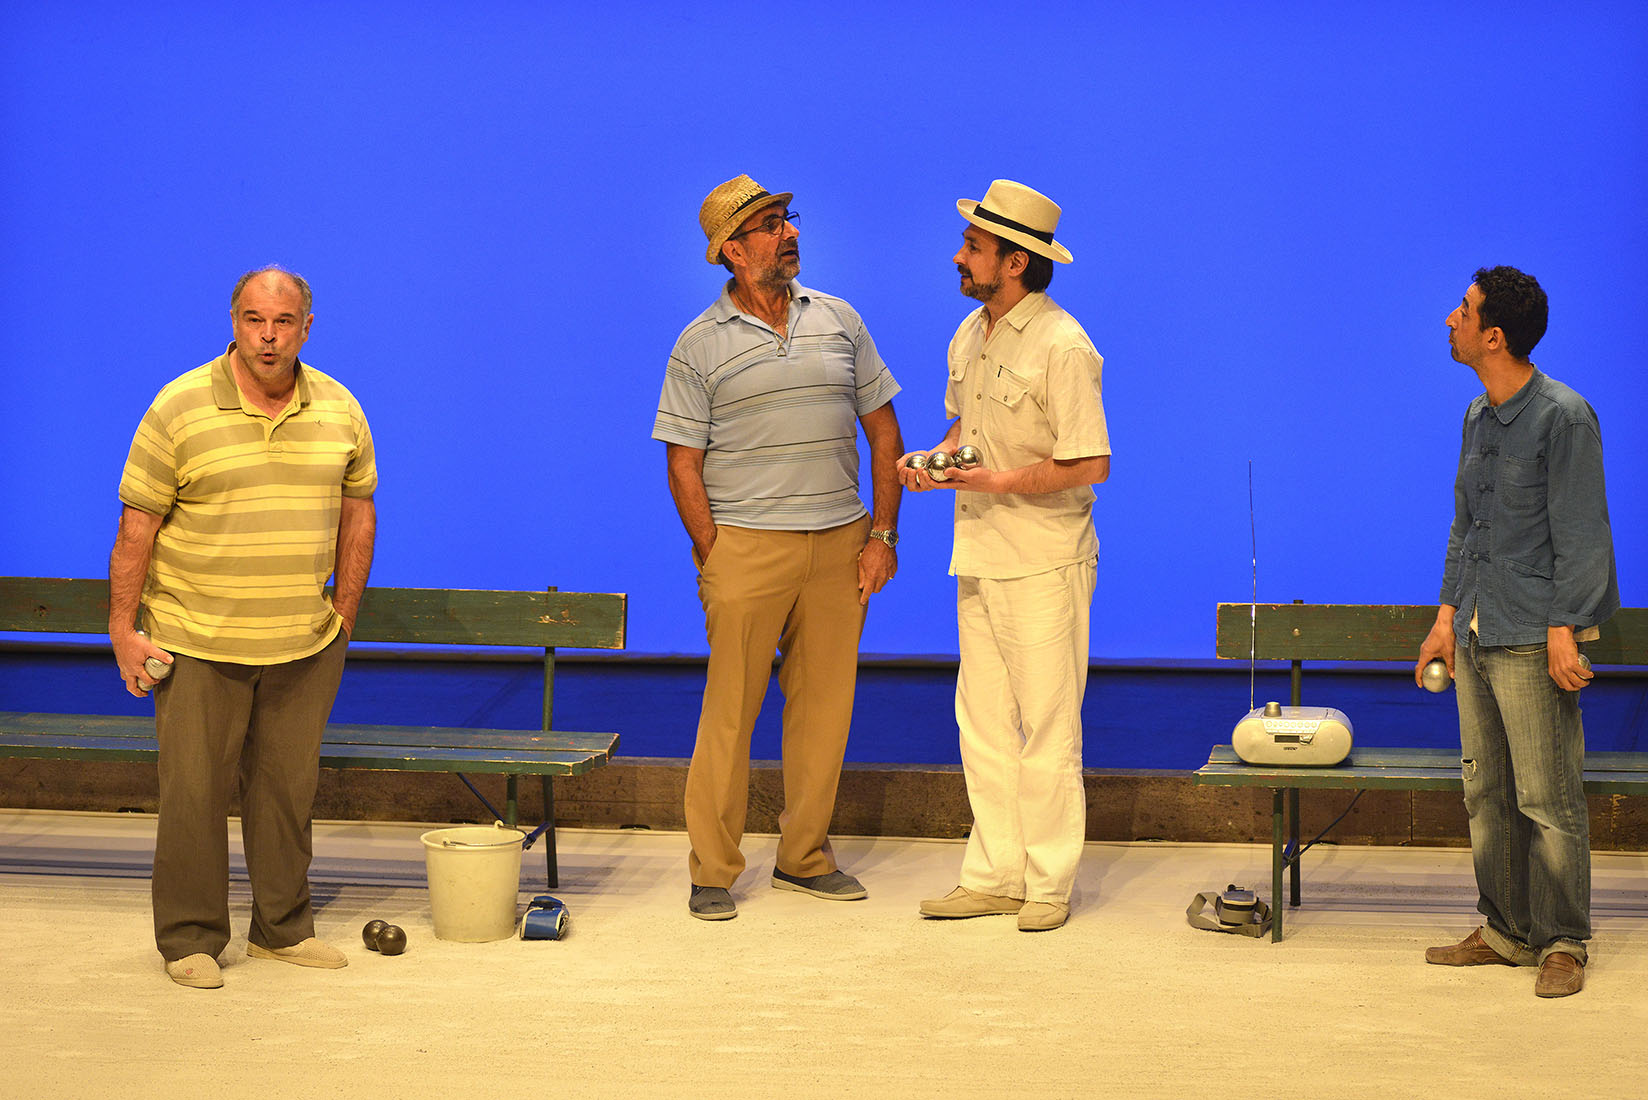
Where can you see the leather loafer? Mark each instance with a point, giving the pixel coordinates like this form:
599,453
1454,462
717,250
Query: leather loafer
962,902
1560,975
1473,950
1043,916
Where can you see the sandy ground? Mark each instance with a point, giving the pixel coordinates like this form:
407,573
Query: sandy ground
803,997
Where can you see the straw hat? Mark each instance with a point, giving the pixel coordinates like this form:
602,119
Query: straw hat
728,205
1016,213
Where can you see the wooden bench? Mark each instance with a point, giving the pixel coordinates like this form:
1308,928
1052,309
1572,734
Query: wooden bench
1300,632
423,616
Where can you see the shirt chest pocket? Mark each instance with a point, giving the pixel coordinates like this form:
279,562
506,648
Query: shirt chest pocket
1010,410
1522,485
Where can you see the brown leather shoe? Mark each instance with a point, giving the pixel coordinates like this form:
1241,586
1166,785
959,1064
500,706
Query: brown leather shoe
1470,951
1560,975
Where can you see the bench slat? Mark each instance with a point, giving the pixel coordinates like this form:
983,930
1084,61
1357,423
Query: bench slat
1403,769
54,604
433,616
500,761
437,616
1380,632
19,730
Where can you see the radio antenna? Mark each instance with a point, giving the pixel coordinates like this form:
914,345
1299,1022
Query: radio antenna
1253,611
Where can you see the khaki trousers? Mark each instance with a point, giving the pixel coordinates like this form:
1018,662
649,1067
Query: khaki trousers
257,728
795,592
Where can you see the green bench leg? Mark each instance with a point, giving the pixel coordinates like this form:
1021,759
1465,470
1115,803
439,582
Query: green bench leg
513,810
1293,840
549,831
1276,806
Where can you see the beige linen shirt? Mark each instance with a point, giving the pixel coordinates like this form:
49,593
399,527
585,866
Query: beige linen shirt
1029,392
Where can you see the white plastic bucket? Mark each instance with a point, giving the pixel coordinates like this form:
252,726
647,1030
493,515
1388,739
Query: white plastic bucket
474,881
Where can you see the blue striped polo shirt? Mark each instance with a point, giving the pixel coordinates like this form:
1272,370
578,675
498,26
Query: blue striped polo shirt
776,418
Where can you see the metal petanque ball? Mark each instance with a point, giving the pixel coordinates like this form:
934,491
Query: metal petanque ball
156,668
917,461
938,466
369,935
967,456
1435,677
392,940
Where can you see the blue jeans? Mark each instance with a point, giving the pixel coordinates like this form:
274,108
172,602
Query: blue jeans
1523,754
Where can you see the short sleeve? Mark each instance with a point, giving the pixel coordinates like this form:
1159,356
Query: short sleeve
149,480
1075,402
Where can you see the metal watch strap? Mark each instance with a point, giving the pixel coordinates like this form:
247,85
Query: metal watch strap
889,536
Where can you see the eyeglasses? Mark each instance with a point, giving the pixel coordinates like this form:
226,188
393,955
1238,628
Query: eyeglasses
772,225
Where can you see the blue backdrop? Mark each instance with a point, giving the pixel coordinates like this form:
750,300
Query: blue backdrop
1272,208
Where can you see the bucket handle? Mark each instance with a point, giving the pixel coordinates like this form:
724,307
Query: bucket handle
448,842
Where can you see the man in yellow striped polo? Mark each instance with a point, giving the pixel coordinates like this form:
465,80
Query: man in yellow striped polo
249,483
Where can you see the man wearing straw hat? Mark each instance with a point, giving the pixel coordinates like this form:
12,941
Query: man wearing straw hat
759,415
1024,392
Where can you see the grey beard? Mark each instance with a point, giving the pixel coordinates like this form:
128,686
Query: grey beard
776,278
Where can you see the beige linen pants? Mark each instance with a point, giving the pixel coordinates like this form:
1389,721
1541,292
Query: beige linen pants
795,592
255,728
1018,705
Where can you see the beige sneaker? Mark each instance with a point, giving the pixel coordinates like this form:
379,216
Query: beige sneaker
1043,916
962,902
311,952
198,971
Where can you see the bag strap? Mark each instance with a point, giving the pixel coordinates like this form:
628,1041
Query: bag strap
1202,905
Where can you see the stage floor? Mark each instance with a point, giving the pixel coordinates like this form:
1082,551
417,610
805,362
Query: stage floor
806,998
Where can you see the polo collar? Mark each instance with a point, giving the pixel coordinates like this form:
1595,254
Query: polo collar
725,309
226,392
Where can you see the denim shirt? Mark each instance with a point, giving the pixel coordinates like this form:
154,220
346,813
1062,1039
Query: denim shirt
1530,546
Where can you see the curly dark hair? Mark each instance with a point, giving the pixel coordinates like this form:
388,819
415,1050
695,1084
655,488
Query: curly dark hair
1515,303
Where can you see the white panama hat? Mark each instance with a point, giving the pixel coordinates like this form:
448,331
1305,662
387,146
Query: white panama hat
1019,214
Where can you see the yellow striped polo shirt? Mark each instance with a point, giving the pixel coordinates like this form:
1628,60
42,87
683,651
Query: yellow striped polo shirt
250,509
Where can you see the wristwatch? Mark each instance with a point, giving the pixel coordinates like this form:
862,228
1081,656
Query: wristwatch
889,536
